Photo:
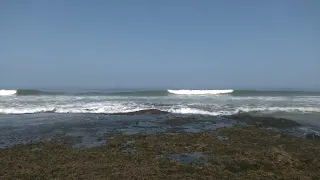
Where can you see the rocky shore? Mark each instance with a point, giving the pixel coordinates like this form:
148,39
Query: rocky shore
250,151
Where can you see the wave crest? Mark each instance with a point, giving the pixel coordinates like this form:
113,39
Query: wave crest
27,92
200,92
7,92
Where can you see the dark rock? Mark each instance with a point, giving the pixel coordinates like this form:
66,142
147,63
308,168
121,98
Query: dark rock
250,153
144,112
180,121
68,140
313,136
262,121
129,150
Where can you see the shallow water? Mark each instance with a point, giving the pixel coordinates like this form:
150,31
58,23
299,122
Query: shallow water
91,128
195,157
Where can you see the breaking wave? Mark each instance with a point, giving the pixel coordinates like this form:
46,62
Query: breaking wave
26,92
199,112
246,110
125,108
27,110
7,92
31,92
200,92
136,93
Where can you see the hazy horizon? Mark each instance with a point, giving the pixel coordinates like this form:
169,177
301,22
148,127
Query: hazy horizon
123,89
160,45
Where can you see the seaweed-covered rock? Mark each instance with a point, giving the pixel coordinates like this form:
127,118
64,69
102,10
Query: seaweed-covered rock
313,136
249,153
180,121
263,121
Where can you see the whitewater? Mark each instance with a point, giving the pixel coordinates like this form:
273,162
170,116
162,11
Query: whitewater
204,102
7,92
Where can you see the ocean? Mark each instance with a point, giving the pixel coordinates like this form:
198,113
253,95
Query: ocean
29,115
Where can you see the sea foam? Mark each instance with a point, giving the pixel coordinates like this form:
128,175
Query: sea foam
126,109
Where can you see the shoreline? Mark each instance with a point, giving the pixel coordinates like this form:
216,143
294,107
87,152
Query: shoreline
88,130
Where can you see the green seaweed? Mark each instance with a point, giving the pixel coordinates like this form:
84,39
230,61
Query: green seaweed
262,121
248,153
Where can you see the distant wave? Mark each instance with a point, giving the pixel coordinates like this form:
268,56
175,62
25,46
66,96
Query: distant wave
7,92
31,92
244,92
128,93
27,92
200,92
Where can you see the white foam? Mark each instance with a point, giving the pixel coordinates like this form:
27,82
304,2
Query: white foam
199,92
280,109
186,110
199,111
122,108
26,110
206,105
7,92
98,107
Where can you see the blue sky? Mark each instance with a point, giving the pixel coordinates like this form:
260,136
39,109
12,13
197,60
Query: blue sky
169,43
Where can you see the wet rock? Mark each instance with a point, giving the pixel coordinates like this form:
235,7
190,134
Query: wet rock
249,153
129,142
175,129
179,121
144,112
115,142
100,139
68,140
129,150
262,121
313,136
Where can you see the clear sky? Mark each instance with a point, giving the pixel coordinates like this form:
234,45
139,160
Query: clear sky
160,43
